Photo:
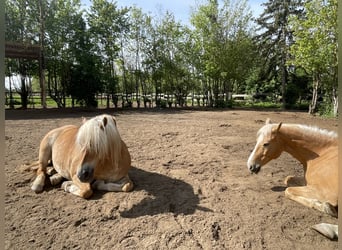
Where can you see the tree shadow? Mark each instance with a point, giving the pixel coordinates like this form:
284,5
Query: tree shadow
79,112
166,195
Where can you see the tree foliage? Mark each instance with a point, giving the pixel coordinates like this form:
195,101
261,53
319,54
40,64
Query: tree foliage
315,48
224,44
276,38
107,25
126,53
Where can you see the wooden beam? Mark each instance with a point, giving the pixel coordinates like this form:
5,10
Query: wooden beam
25,51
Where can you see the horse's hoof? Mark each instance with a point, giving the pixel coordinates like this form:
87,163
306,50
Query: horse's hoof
50,171
328,230
65,185
127,187
37,188
329,209
87,194
288,180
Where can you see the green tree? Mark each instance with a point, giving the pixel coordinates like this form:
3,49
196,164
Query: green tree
315,49
62,21
85,73
152,58
137,40
275,39
107,25
224,43
172,38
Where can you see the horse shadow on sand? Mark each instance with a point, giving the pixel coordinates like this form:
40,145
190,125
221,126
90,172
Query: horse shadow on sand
165,195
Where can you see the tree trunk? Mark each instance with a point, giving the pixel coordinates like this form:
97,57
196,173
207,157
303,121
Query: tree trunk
23,93
313,104
41,57
335,102
283,86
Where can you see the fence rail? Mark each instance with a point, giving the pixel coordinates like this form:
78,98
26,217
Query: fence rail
123,100
13,100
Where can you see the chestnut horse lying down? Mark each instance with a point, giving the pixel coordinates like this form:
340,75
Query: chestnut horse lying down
90,156
317,151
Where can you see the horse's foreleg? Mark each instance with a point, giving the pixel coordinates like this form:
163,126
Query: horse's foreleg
80,189
310,197
123,185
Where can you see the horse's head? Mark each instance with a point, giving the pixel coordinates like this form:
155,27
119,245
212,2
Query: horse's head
267,147
99,141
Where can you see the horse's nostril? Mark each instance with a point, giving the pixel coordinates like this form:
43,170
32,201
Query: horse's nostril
254,168
85,174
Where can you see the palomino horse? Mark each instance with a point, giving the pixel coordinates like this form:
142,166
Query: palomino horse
90,156
317,150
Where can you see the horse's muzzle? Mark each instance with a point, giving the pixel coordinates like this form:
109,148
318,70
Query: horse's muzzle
255,168
85,173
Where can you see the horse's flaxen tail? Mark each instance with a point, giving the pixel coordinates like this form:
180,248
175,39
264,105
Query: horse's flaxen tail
29,167
33,167
328,230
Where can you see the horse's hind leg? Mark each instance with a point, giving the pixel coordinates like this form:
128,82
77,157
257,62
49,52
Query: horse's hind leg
294,181
309,196
38,183
55,179
45,154
123,185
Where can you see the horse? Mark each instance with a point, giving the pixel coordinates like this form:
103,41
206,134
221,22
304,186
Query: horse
86,157
317,150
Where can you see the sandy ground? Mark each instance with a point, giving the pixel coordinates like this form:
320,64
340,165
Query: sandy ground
192,186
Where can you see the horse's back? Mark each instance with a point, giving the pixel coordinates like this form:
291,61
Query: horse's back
54,134
48,142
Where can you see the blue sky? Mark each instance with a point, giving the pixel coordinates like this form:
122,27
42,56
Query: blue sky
180,8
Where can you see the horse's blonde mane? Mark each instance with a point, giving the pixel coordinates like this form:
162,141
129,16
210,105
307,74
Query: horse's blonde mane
100,136
305,130
318,131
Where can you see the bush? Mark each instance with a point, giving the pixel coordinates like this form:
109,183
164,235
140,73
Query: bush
223,104
163,104
325,109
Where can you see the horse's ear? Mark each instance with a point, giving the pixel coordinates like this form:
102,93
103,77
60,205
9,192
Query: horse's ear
279,125
268,121
114,120
276,130
84,120
105,121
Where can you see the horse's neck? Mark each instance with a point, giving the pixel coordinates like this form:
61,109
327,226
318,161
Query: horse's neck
302,145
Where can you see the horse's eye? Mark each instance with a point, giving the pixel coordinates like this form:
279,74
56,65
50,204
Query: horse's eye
266,144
